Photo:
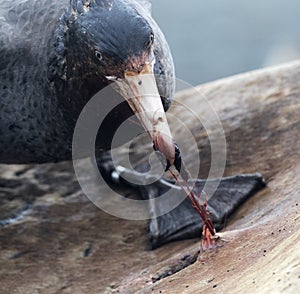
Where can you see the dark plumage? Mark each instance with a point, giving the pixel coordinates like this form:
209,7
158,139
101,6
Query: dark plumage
55,55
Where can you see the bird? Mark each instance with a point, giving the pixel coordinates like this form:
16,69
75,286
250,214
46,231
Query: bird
56,55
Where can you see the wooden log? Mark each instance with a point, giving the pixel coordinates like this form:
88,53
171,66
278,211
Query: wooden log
64,244
260,114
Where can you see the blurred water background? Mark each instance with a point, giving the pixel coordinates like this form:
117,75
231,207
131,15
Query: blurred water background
211,39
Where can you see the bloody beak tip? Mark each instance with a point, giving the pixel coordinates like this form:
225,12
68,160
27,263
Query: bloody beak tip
165,145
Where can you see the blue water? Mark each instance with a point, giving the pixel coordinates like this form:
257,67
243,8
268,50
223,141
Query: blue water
211,39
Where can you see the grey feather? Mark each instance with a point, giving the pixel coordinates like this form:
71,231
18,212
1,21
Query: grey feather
33,126
146,4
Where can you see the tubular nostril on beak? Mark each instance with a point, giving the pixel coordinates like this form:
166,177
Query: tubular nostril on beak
140,91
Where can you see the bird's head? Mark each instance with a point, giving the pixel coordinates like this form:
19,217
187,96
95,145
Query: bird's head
112,41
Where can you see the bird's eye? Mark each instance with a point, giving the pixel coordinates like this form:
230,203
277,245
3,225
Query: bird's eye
98,55
151,39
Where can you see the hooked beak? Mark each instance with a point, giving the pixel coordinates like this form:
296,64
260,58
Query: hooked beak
141,93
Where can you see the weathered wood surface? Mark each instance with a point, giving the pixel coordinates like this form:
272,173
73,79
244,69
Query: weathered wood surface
66,245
